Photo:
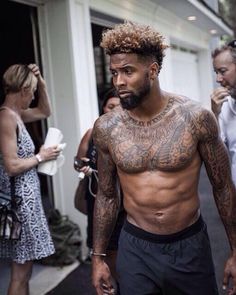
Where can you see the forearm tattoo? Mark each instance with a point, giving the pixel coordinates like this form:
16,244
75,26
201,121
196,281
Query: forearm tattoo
216,159
107,200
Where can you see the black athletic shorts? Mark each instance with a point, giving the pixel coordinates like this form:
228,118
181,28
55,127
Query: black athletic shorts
177,264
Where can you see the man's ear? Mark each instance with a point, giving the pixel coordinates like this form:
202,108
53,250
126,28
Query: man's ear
154,69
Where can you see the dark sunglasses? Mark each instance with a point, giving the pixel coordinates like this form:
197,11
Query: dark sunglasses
232,44
26,74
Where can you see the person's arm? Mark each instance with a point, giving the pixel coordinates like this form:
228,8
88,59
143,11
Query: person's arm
105,212
82,151
43,109
80,193
214,154
8,147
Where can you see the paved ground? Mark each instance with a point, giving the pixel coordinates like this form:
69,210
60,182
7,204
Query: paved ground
79,282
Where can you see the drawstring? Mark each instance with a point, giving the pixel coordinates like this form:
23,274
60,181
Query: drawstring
91,173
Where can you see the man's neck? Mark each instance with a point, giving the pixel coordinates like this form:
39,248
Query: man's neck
151,106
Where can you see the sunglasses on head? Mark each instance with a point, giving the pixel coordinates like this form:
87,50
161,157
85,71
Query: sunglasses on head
26,74
232,44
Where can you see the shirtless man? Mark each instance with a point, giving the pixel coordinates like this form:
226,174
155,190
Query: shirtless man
223,98
156,143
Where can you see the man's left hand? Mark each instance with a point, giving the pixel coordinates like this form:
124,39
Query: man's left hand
230,272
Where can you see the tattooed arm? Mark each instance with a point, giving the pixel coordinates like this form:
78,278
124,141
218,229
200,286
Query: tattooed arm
215,157
105,211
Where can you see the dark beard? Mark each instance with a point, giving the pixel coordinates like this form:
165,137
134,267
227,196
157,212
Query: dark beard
134,100
130,102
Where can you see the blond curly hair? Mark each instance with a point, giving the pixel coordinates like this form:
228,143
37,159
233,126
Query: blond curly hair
131,37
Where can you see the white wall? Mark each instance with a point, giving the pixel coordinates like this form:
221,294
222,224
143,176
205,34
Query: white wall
186,75
68,62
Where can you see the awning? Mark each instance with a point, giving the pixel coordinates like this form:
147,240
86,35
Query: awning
206,18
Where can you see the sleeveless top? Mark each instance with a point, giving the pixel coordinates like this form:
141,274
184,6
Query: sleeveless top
35,241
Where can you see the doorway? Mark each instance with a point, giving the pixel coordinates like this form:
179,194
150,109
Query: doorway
103,76
99,23
20,44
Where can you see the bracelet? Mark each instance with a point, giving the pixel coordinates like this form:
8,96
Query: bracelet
39,158
97,254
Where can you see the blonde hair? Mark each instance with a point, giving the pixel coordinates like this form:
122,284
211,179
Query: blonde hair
18,76
131,37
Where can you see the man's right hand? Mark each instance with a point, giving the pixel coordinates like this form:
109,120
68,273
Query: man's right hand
101,276
218,97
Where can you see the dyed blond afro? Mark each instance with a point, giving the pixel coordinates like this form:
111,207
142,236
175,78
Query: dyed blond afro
134,38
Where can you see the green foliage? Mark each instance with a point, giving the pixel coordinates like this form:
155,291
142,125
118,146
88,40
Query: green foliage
227,10
67,240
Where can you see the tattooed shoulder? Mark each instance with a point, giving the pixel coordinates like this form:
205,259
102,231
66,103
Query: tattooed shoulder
104,126
206,124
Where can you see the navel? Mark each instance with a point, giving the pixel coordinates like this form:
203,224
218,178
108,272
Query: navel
159,214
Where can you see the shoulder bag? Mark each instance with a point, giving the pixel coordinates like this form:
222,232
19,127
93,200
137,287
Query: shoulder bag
10,225
80,202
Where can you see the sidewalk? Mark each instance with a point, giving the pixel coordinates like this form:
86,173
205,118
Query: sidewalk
77,283
44,278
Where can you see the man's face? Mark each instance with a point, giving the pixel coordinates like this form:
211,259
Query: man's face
225,70
131,79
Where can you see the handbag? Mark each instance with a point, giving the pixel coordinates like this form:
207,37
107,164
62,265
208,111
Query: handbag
80,202
10,225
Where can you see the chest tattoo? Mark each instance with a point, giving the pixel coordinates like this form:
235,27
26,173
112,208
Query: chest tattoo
167,142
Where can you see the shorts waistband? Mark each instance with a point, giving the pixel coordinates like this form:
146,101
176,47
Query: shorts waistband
156,238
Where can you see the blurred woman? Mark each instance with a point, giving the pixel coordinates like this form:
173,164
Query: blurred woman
18,160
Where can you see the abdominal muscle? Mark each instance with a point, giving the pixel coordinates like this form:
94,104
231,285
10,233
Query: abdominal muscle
161,202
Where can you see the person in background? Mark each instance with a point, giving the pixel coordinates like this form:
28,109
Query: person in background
88,152
156,143
223,98
18,160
